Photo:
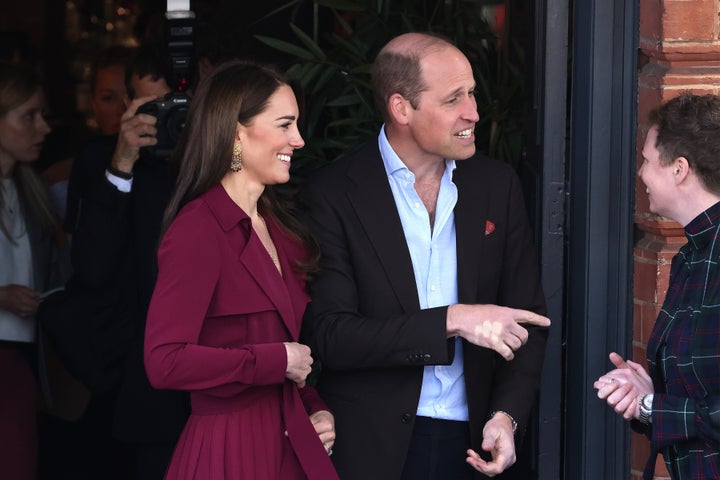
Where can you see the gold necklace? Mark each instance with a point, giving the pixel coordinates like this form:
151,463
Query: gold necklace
270,246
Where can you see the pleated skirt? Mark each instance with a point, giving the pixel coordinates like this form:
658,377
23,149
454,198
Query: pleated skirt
248,443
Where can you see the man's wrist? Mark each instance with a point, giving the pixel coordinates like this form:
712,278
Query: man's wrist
452,325
512,420
119,173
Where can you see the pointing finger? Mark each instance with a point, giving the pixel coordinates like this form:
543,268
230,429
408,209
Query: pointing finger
534,319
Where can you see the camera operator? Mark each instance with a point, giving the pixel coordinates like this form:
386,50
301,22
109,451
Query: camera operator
123,197
146,82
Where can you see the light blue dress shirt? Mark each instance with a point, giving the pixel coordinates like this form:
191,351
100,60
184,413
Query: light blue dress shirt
434,258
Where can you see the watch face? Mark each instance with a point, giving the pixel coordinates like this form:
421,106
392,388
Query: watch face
647,401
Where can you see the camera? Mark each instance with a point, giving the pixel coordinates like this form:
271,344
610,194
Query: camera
171,111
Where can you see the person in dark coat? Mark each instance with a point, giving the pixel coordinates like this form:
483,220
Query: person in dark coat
119,191
427,311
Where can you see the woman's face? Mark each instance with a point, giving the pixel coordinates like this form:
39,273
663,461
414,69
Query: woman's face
269,141
22,133
109,97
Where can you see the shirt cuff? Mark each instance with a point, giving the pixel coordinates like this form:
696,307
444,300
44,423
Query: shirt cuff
122,184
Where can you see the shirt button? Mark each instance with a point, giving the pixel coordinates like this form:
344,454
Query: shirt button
433,288
417,205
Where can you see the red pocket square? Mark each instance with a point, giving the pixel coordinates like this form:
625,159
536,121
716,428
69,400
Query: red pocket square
489,227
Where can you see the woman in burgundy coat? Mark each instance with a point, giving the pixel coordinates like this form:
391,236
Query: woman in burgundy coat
225,315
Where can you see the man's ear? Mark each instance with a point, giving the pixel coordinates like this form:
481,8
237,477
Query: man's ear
399,107
681,169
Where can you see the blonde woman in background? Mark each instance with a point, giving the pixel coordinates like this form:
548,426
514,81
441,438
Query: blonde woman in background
28,263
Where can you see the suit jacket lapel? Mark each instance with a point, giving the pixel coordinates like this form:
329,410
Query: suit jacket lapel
374,204
471,213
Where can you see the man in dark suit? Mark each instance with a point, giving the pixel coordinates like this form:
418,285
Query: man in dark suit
427,311
121,191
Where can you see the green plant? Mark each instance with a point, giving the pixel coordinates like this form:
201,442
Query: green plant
334,71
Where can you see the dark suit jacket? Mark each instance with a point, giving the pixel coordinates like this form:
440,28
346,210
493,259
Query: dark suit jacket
115,237
365,324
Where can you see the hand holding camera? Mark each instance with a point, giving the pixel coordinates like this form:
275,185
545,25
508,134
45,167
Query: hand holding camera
170,112
136,130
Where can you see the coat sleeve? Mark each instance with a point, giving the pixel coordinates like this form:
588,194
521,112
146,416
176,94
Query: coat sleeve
678,419
102,231
311,400
189,261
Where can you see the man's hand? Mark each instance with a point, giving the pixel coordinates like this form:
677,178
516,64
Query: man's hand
324,424
20,300
492,326
136,130
499,441
298,362
622,387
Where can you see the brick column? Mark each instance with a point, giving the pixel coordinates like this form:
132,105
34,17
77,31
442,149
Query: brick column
680,49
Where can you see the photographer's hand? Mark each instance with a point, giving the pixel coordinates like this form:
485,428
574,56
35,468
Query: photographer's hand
136,130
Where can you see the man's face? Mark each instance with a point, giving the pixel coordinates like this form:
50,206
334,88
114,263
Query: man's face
444,122
109,98
658,178
147,87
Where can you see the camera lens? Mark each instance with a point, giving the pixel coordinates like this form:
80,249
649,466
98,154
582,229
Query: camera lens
176,122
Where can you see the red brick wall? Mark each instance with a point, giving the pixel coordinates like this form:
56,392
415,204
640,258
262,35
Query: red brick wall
680,50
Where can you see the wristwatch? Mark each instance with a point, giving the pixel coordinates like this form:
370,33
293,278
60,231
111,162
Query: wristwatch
645,405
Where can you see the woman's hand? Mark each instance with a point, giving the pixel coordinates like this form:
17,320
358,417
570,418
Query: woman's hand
324,424
20,300
621,388
298,362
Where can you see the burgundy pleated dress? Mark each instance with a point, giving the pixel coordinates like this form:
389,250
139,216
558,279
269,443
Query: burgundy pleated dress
218,318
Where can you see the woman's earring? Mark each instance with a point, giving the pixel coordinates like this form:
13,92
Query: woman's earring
236,159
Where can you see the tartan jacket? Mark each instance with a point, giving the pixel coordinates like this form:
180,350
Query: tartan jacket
684,358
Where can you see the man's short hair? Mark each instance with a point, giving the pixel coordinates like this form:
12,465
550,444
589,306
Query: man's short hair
400,72
689,126
109,57
148,60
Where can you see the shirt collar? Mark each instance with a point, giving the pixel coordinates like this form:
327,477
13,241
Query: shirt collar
702,228
393,163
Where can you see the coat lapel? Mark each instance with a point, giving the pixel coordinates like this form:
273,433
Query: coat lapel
261,268
371,199
253,256
471,213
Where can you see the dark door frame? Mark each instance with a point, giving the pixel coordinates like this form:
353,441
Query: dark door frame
585,221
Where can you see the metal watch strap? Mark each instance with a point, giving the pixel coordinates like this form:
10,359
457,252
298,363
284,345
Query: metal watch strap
644,412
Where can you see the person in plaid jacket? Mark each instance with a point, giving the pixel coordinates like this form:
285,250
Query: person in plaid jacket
676,403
